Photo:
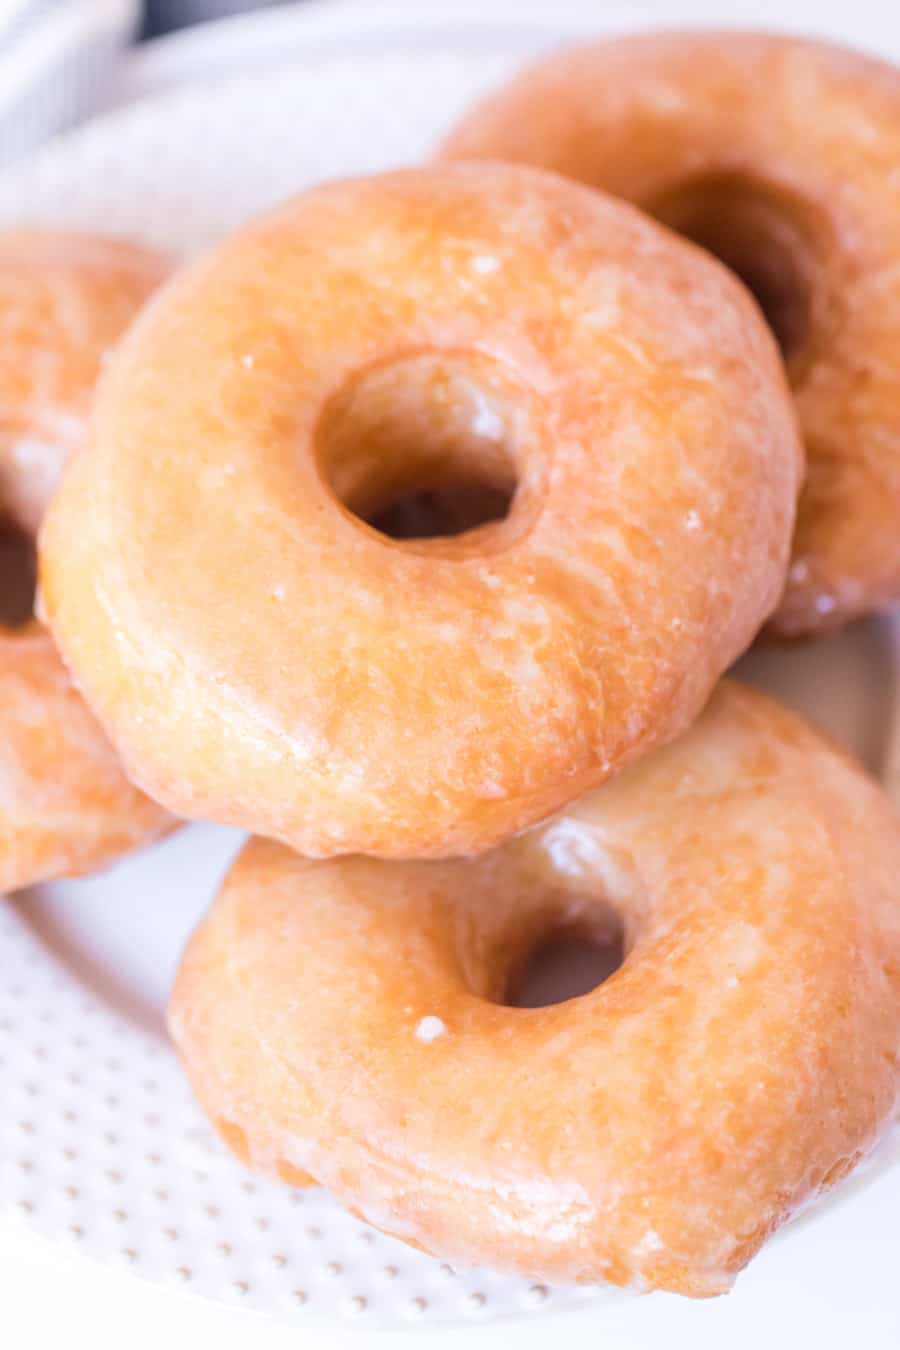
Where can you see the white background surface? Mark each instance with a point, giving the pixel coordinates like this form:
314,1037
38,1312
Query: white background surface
837,1284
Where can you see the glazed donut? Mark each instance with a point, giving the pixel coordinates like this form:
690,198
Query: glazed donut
262,656
64,300
780,156
344,1021
66,807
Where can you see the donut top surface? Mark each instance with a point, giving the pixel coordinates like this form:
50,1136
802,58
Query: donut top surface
779,154
263,655
350,1019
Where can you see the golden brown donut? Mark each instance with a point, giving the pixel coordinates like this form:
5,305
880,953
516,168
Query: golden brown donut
262,656
780,155
66,806
346,1019
65,298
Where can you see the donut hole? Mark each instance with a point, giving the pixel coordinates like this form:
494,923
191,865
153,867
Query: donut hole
770,239
18,576
442,512
567,963
428,448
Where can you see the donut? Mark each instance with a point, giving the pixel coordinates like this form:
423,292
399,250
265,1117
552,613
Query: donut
65,298
346,1021
66,807
263,654
779,155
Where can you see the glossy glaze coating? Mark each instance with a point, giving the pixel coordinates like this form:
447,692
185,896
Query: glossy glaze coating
66,807
65,299
344,1021
780,155
263,657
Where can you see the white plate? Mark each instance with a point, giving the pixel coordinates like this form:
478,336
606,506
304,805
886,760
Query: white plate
325,28
100,1144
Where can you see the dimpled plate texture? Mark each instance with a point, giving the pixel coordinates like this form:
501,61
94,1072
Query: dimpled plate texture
100,1143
